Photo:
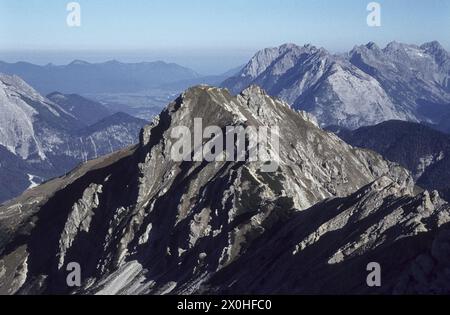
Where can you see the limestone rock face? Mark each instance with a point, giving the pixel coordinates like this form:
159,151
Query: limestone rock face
139,222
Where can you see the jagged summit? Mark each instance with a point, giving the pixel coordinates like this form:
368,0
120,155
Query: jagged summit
284,56
394,45
433,47
372,45
441,55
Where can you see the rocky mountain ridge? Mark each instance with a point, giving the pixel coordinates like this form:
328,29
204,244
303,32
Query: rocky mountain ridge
139,223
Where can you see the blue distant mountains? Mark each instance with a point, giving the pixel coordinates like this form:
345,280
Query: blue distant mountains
82,77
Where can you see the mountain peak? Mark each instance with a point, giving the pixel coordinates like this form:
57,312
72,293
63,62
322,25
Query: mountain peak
202,90
394,46
254,89
278,58
78,62
369,48
290,46
56,95
435,49
372,46
433,45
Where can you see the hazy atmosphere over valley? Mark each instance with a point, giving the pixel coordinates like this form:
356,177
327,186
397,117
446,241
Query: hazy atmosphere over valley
225,148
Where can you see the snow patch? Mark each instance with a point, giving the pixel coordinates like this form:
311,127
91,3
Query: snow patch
34,181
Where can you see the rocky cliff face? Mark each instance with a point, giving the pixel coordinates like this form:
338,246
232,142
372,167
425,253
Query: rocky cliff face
368,86
138,222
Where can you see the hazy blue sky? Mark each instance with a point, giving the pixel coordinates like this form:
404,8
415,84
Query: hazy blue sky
208,35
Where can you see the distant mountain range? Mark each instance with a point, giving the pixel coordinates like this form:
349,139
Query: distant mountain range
139,89
367,86
81,77
44,137
423,151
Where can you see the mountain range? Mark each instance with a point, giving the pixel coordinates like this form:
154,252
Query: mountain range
82,77
364,87
425,152
46,137
139,223
362,177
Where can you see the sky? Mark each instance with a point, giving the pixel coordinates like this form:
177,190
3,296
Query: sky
210,36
